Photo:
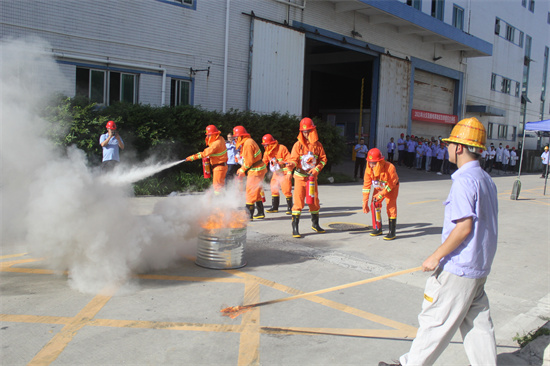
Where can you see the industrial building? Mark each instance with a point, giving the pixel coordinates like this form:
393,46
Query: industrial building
377,68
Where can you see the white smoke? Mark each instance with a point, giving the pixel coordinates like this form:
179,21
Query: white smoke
56,207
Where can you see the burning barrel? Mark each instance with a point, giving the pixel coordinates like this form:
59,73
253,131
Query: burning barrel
222,240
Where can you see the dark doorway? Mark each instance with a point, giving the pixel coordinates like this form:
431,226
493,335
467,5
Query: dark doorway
332,86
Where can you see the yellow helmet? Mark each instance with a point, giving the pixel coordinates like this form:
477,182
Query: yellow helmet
469,132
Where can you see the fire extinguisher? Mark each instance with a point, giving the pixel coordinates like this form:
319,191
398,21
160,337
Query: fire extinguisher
310,191
376,209
206,168
262,194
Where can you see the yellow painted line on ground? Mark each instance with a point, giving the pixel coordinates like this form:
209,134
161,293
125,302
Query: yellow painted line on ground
27,270
190,278
142,324
17,318
249,344
57,344
366,333
417,203
20,261
12,255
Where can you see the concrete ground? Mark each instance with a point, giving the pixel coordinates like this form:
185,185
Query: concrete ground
173,316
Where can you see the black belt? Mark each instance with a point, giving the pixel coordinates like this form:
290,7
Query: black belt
217,165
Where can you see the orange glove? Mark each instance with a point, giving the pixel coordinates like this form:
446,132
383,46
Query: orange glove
240,173
313,172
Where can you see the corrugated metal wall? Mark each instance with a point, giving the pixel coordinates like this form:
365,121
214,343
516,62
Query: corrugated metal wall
394,92
434,93
277,72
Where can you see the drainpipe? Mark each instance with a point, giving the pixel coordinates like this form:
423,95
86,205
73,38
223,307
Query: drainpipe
118,63
225,57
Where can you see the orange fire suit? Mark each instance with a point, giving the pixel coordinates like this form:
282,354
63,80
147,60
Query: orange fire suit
301,175
384,181
253,167
282,178
217,152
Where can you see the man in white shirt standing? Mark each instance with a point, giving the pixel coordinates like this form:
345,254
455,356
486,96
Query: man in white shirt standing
361,151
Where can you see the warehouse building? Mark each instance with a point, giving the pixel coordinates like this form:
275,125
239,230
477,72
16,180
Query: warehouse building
374,68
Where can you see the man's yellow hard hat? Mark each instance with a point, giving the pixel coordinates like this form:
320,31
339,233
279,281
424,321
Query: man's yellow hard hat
469,132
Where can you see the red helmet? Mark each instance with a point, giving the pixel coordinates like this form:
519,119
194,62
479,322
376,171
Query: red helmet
507,146
268,140
374,155
111,125
239,131
211,130
306,124
402,135
412,136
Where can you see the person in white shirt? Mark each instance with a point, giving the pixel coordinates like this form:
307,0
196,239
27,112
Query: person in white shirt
513,160
498,158
544,156
361,151
490,159
391,150
505,159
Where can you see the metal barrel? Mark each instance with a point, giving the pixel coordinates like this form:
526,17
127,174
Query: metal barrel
221,248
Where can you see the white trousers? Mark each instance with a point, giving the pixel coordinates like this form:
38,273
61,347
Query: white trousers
451,303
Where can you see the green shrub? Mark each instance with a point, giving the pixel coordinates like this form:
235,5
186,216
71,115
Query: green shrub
170,133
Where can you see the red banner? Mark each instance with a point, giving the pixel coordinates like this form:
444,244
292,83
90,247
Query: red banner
426,116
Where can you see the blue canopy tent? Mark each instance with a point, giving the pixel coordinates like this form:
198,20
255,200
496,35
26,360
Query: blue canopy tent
530,126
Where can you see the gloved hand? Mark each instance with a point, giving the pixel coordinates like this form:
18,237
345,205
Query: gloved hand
313,172
240,173
378,198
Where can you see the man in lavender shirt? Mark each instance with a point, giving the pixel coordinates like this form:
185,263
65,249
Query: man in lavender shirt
454,296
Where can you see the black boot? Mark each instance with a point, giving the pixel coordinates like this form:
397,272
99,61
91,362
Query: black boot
391,233
289,206
274,204
295,225
250,209
377,232
260,208
315,223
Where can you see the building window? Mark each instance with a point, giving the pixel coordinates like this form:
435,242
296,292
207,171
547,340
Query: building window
102,86
458,17
493,81
437,9
415,4
524,3
510,33
532,6
518,88
505,86
520,41
180,92
502,132
490,130
497,26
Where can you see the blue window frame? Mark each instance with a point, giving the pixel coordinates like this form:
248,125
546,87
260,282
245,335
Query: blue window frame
458,17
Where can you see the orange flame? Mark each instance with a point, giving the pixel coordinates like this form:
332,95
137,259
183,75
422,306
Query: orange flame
234,219
235,311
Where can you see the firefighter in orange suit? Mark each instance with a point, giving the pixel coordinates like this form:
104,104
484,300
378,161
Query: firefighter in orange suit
381,176
254,168
217,153
276,156
309,158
